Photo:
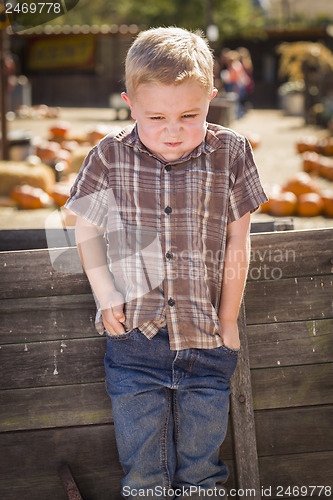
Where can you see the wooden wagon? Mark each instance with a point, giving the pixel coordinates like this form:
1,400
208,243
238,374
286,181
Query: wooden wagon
53,404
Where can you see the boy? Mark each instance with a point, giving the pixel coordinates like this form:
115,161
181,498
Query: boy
163,230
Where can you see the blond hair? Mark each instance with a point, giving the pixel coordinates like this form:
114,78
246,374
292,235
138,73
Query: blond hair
169,56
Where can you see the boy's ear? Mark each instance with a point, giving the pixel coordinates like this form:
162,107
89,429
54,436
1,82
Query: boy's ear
128,101
215,91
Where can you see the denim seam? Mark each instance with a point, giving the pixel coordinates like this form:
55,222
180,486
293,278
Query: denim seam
175,380
175,416
164,455
232,352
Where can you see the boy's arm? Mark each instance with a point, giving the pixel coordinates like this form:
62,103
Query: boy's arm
234,277
92,250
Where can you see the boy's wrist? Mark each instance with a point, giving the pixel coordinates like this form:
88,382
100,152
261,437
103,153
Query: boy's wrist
230,333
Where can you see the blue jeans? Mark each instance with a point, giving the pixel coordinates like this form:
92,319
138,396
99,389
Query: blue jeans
170,413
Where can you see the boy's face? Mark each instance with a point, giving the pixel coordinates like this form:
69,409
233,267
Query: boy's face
171,119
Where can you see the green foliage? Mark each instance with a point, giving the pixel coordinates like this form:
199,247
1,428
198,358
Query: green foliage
233,17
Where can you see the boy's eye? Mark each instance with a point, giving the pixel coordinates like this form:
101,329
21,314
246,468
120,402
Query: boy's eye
189,116
156,117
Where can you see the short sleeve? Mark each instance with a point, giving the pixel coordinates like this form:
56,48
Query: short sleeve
246,192
89,193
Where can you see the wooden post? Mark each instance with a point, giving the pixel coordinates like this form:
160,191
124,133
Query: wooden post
242,418
3,92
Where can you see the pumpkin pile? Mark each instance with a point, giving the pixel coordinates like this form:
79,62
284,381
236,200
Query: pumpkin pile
45,178
300,196
317,156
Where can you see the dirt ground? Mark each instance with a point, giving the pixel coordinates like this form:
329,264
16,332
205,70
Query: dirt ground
276,155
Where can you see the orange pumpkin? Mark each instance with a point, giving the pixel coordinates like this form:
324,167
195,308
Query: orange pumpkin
301,183
326,146
326,167
327,198
307,143
272,192
59,130
310,205
48,151
282,204
60,193
310,161
29,197
70,145
100,131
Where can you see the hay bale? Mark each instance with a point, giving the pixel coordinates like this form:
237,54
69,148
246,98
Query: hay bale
78,155
13,173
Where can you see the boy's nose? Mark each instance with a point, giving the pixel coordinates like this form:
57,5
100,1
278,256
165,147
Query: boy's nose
173,129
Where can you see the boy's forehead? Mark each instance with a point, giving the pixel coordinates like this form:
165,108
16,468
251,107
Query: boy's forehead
155,92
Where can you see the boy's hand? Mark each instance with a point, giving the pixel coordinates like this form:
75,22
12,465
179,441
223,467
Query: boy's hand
230,334
113,314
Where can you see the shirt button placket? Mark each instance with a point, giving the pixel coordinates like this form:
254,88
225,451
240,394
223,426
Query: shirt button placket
169,255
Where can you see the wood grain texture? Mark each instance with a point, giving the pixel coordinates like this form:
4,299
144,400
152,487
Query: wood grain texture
296,253
61,362
296,470
59,406
302,429
292,343
37,273
289,299
47,318
292,386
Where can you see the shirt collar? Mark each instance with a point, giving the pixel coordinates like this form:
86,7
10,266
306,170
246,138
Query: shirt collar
130,137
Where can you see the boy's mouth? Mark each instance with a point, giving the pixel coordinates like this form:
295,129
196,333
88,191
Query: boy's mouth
172,144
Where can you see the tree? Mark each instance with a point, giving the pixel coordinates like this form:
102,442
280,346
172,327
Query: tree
233,17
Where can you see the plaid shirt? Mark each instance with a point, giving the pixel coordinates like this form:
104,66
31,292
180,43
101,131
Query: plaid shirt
166,225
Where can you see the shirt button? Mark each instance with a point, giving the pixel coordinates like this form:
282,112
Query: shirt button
171,302
167,168
168,210
169,255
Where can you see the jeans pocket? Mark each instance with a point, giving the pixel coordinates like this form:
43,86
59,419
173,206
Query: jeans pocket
230,350
122,336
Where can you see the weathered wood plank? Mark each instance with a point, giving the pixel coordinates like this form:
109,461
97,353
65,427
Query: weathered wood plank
292,386
29,463
29,239
47,318
290,299
291,253
311,469
280,224
60,406
52,363
295,253
81,361
275,344
242,415
38,273
295,430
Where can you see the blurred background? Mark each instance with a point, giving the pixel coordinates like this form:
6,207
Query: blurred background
62,75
